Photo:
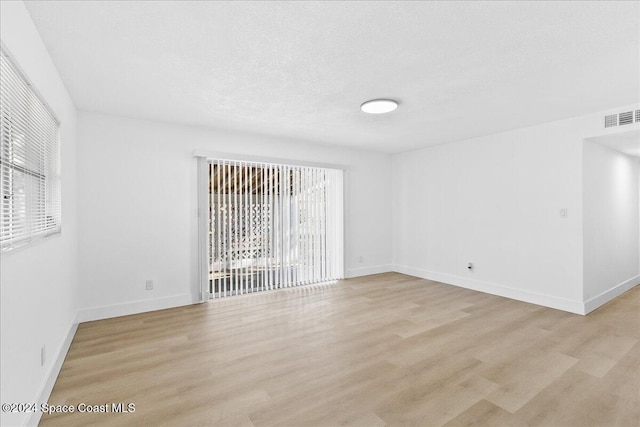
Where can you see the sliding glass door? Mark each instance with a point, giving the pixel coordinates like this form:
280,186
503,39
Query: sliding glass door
270,226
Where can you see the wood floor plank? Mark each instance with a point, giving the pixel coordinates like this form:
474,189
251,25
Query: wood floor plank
386,349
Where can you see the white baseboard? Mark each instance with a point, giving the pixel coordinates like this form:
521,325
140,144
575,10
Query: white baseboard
45,392
134,307
565,304
366,271
606,296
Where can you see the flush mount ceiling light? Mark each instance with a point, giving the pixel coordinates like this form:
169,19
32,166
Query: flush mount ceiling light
379,106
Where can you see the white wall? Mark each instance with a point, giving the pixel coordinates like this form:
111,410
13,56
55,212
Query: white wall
138,200
39,283
495,201
611,258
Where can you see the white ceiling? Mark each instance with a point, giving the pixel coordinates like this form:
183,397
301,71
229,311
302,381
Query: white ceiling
301,69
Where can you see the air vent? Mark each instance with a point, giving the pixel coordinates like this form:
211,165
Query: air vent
611,120
625,118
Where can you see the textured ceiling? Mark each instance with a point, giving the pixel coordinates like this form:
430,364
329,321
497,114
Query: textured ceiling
301,69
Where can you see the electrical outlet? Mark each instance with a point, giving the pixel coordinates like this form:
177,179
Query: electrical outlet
149,284
43,355
564,213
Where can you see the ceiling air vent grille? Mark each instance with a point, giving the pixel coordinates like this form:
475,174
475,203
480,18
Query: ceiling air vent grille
611,120
626,118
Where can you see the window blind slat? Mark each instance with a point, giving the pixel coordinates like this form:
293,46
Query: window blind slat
29,161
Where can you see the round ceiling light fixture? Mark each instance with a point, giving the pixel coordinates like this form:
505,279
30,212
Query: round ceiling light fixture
379,106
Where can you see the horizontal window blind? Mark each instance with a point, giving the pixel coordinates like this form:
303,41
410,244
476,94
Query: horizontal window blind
272,226
29,161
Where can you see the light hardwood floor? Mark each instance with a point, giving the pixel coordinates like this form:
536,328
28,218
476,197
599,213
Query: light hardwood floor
387,349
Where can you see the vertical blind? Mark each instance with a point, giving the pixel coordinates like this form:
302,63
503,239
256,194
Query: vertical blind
29,161
271,226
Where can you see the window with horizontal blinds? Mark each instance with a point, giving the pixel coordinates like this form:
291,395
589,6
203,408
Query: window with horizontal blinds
29,161
270,226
